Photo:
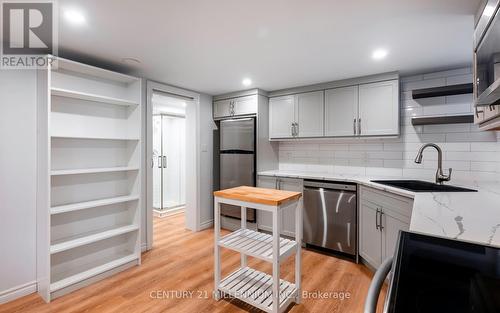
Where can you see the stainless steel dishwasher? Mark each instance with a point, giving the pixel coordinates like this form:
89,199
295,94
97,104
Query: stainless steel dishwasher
330,216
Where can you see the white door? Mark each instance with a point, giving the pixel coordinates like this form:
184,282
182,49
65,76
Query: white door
265,219
245,105
281,116
370,238
379,108
288,213
310,109
390,234
222,108
341,111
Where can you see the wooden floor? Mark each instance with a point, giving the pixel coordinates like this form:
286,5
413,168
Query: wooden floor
177,276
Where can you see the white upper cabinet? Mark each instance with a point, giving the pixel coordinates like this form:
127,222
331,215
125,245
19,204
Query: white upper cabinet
234,107
298,115
379,109
281,117
309,111
245,105
341,111
222,108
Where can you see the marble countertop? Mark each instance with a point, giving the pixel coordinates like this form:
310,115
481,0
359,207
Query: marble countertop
465,216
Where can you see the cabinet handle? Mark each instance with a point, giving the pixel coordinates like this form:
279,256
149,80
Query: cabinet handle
297,129
478,111
376,219
293,129
159,161
359,126
354,126
164,162
231,105
380,221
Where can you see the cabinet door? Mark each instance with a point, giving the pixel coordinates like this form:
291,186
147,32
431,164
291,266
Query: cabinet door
310,112
265,219
288,213
341,111
370,238
245,105
281,116
390,234
379,108
222,108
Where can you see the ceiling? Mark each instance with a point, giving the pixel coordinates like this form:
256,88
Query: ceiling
210,46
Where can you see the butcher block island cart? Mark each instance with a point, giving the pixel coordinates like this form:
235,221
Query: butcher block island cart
263,291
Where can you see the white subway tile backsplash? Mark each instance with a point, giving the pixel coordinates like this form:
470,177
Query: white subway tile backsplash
446,128
449,73
472,154
427,83
459,79
471,137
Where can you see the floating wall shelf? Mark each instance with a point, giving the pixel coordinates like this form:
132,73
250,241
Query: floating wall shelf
451,90
443,119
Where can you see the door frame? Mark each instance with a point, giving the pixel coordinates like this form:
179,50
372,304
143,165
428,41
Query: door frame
193,195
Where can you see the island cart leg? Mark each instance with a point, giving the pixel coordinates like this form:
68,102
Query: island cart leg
298,260
243,227
217,294
276,259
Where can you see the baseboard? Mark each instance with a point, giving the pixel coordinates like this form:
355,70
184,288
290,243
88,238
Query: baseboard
206,225
17,292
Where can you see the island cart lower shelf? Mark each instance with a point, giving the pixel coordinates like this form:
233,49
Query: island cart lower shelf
266,292
255,288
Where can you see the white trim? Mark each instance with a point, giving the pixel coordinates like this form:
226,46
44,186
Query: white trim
206,224
18,292
192,222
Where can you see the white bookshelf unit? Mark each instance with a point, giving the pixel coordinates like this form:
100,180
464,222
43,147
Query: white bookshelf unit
89,176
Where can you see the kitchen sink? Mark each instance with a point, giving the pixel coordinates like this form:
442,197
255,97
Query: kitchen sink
421,186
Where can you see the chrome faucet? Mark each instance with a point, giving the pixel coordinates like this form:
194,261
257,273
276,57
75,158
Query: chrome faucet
440,177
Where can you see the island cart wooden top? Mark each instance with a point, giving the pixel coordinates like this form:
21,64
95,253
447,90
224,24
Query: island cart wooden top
259,195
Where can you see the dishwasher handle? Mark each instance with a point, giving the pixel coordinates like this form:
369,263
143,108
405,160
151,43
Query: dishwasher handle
333,186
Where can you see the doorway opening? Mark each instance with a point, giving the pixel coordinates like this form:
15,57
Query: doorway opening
172,155
169,154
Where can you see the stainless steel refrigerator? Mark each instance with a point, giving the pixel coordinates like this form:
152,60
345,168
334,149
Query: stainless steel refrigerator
237,159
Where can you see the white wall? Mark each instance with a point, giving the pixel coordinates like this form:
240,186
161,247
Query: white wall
17,183
206,161
471,153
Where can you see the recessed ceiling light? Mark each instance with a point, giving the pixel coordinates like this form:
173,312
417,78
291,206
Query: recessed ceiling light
246,82
131,61
379,54
489,10
74,17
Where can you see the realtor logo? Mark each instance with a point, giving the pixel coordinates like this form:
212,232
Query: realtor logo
28,33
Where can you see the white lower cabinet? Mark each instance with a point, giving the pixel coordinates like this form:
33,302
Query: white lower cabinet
382,215
264,219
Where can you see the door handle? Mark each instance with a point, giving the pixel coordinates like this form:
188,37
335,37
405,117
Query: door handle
159,162
164,161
